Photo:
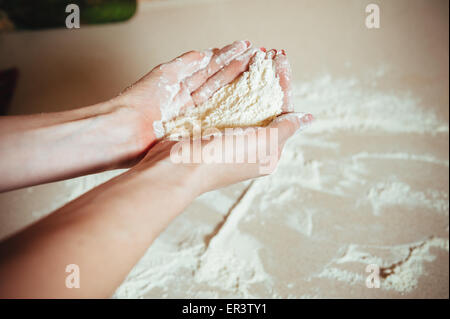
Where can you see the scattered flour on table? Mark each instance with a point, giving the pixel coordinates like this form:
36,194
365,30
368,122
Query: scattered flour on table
400,271
342,104
393,192
231,260
231,264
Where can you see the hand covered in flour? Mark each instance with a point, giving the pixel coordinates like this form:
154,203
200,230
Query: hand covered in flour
222,160
283,70
184,82
239,154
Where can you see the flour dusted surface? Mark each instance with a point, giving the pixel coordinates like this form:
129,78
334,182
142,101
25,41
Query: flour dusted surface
253,99
360,186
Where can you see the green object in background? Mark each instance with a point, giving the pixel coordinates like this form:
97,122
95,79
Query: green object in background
41,14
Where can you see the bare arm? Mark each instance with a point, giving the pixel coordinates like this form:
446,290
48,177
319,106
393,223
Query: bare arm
42,148
104,233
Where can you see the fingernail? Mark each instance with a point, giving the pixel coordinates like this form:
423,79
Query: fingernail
271,53
248,43
263,49
283,52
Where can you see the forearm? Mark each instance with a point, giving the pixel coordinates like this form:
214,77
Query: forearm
105,232
42,148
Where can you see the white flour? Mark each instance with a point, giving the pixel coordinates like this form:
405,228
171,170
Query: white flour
400,271
393,192
253,99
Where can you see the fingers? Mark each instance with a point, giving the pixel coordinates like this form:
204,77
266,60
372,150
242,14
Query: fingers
271,54
289,123
231,51
186,64
223,77
220,58
233,69
182,100
283,70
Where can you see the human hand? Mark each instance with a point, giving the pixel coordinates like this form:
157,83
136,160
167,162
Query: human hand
228,157
186,81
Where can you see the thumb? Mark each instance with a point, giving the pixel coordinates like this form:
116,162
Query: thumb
289,123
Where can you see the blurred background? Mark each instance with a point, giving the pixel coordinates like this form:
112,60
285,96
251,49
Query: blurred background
368,184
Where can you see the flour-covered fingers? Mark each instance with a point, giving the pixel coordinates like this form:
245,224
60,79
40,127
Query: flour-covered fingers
186,65
219,59
182,100
226,75
229,53
283,70
271,54
289,123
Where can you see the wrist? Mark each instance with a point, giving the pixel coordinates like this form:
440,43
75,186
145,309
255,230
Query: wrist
130,133
182,180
